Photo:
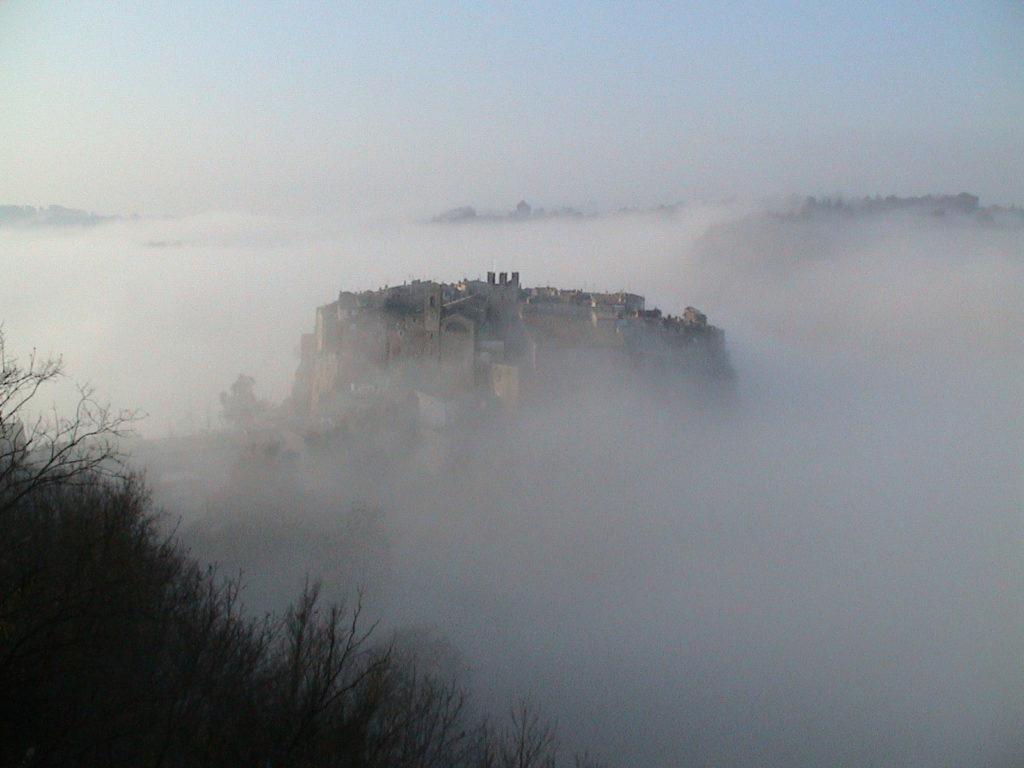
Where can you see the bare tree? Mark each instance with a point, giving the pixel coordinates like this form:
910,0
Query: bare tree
327,691
41,447
421,721
528,741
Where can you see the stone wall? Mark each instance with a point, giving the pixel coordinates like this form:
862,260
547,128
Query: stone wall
478,341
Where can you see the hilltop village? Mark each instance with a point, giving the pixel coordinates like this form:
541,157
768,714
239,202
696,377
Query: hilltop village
446,349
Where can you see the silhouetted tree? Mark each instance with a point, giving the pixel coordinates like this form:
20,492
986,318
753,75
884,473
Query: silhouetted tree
42,447
239,406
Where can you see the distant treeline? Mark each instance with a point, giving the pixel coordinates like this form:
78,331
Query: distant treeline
50,216
964,204
522,212
525,212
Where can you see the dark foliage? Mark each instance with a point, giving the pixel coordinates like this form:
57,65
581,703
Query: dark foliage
118,648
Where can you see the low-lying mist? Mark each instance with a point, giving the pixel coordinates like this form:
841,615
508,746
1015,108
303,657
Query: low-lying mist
823,570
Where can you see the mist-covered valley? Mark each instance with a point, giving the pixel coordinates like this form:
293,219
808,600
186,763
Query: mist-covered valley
822,568
511,385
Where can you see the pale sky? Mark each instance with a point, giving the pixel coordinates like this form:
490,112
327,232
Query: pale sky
310,107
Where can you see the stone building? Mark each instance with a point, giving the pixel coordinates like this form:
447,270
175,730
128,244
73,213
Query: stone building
488,343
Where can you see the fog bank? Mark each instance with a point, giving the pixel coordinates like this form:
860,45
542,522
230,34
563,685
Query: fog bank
825,572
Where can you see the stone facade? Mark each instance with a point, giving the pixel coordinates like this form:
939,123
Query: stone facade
488,342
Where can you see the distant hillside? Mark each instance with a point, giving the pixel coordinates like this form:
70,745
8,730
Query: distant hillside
525,212
522,212
963,204
51,216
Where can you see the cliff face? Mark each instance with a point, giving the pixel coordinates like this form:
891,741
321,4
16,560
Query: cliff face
491,344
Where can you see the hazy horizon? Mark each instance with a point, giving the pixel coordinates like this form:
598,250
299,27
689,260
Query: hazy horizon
409,109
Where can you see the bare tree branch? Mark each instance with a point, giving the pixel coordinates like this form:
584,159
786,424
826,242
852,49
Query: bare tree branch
40,449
